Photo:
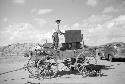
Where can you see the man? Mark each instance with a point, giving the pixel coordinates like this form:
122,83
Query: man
56,38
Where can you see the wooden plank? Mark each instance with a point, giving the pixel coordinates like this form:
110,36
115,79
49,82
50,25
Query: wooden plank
73,36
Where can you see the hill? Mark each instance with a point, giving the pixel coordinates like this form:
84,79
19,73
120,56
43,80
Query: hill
20,49
16,49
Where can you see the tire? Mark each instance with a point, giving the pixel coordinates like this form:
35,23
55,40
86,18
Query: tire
110,58
101,58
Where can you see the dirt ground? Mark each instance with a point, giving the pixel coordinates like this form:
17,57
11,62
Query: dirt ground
113,74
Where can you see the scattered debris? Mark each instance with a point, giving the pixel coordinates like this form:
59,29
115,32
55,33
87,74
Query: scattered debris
5,80
31,83
12,79
118,64
22,78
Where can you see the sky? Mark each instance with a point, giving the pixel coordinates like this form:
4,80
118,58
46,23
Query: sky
26,21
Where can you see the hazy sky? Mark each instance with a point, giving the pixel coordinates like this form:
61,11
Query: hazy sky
101,21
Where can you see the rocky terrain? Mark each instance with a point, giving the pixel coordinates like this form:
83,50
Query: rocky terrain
20,49
16,49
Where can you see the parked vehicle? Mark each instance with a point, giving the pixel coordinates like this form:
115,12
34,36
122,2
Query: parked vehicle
112,51
100,52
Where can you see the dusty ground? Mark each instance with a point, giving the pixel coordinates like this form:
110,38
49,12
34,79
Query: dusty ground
114,74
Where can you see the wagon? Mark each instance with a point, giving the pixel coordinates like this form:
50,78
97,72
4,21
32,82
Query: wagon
44,63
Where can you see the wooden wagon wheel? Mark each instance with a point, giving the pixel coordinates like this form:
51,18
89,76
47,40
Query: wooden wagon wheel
80,60
83,59
32,64
47,68
32,68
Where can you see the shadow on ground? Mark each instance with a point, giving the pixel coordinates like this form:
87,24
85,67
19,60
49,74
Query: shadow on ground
61,73
119,60
108,67
75,72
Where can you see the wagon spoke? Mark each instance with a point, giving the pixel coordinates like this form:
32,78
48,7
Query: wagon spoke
47,68
32,68
85,58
